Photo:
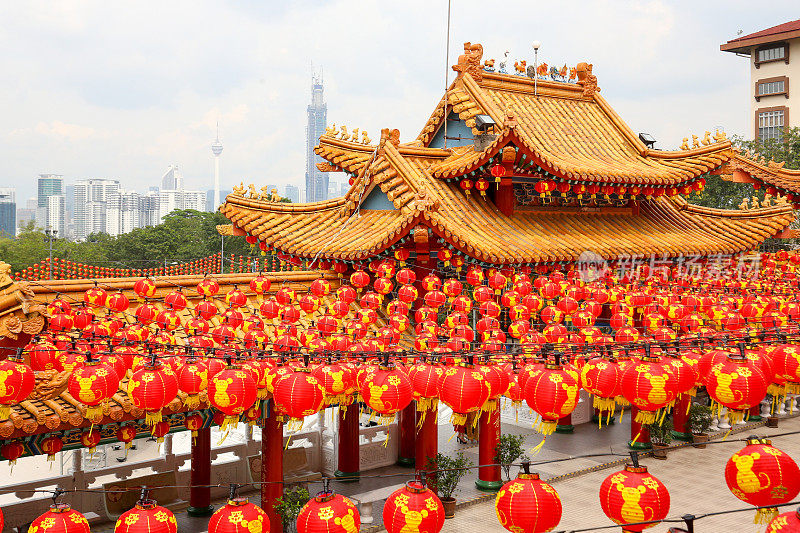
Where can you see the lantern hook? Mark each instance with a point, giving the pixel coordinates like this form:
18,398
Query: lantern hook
526,467
57,494
232,492
634,458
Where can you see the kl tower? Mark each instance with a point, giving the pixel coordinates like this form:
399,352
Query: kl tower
216,149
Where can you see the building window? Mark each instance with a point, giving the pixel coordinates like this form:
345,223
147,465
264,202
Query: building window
771,52
772,87
771,123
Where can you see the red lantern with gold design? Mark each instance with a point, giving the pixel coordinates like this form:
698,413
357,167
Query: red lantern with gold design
359,279
387,391
738,384
207,288
144,288
783,523
192,380
232,391
633,495
16,383
328,513
413,508
260,284
61,518
118,302
194,423
176,300
463,389
51,445
159,430
95,297
298,394
764,476
146,517
93,384
528,505
90,439
126,434
58,307
650,386
11,451
239,516
151,388
601,378
553,392
168,319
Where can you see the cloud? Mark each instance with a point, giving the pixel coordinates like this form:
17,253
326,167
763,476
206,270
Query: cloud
67,132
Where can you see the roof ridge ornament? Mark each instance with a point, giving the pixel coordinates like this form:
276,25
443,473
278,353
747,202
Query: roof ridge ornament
470,61
586,79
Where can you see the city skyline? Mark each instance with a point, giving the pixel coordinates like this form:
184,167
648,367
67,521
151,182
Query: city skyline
111,114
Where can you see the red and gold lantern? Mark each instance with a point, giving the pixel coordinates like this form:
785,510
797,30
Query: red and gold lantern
553,392
463,389
232,391
239,516
61,518
328,513
51,445
146,517
151,388
387,391
16,383
633,495
528,505
298,394
93,384
413,508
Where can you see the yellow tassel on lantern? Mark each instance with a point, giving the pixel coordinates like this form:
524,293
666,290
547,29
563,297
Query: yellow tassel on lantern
151,418
765,515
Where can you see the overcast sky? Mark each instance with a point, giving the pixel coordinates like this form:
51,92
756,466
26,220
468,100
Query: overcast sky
123,89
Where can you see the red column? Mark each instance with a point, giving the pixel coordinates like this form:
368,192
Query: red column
427,442
641,434
408,433
680,415
200,497
272,466
755,413
505,197
488,437
348,447
565,425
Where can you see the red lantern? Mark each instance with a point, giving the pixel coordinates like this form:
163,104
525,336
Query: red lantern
633,495
207,288
11,451
146,517
126,434
738,384
151,388
95,297
463,389
298,394
387,391
553,392
601,378
650,386
328,513
176,300
144,288
93,384
764,476
413,508
118,302
61,518
260,284
232,391
783,523
159,430
51,445
239,516
16,383
90,439
359,279
528,505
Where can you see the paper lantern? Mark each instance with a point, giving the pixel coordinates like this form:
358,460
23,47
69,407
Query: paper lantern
126,434
51,445
232,391
151,388
338,382
61,518
260,284
95,297
16,383
90,439
11,451
783,523
144,288
387,391
207,288
118,302
553,392
146,517
328,513
764,476
463,389
738,384
601,378
650,386
413,508
239,516
194,423
528,505
633,495
93,384
298,394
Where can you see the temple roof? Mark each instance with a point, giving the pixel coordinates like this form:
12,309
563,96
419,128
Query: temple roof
545,130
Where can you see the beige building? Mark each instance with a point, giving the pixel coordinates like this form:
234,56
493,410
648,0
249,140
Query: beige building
774,55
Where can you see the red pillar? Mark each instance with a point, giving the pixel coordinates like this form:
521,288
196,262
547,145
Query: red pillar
680,416
348,447
408,433
272,466
200,497
638,432
755,413
488,437
565,425
427,442
505,197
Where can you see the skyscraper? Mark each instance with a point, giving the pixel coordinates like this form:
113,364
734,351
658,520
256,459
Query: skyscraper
8,212
91,202
292,193
51,185
172,178
316,181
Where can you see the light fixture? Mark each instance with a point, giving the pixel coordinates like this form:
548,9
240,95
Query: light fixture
536,45
647,139
483,122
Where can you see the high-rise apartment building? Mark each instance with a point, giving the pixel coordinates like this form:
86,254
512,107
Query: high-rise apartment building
316,181
172,179
51,185
210,205
774,55
292,193
8,212
91,203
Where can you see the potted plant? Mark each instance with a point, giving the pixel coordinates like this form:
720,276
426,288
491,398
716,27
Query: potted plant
660,437
509,448
445,473
698,422
290,505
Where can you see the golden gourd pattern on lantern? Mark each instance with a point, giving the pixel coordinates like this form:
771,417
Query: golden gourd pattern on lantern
633,495
60,519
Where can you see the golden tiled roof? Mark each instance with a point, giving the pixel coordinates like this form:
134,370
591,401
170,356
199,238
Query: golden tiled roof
785,180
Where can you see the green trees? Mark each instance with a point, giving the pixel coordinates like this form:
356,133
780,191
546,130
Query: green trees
184,236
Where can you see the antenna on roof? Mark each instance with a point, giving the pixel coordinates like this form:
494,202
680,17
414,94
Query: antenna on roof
739,32
536,45
446,72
